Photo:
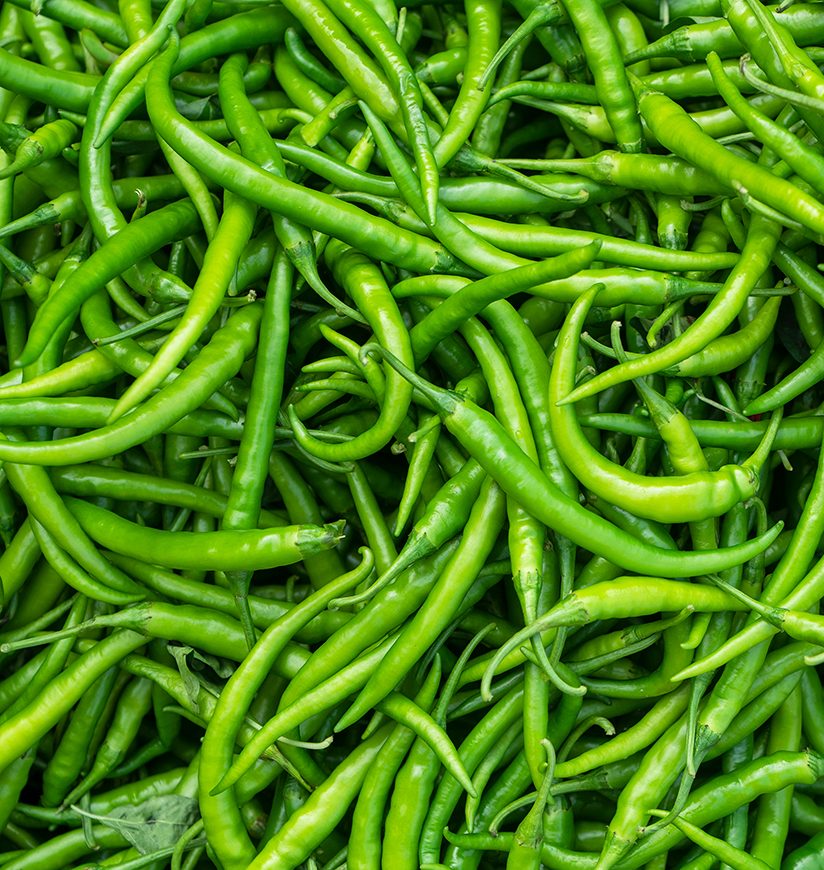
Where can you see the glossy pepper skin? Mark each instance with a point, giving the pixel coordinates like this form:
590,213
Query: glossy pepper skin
386,471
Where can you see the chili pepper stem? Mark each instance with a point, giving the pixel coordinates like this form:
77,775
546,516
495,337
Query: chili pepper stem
414,549
773,615
132,617
442,400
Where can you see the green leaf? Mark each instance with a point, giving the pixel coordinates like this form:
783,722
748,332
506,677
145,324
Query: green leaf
190,681
155,824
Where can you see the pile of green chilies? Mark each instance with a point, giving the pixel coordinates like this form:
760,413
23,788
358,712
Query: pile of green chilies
410,434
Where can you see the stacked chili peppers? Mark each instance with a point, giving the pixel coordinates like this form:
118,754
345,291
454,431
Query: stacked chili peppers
411,434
